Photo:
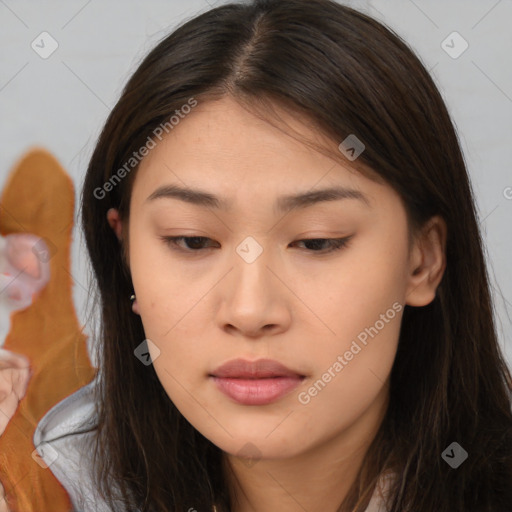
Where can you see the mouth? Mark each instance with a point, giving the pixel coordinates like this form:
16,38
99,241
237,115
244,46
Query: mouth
258,382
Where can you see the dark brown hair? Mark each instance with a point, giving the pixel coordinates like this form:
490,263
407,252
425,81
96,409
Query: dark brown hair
347,74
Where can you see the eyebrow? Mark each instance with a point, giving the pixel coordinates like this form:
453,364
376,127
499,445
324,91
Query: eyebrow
283,204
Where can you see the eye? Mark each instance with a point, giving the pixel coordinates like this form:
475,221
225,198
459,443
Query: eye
193,243
196,243
333,244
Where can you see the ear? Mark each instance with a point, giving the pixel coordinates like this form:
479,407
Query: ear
427,262
115,222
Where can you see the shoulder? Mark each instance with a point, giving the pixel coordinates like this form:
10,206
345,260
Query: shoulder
63,439
69,416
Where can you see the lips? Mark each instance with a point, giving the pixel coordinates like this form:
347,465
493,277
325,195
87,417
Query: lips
260,369
258,382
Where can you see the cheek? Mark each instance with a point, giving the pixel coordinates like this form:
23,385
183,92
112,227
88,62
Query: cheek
352,360
364,287
360,305
169,303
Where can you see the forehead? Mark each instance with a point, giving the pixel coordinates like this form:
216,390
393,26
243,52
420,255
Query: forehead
223,130
222,148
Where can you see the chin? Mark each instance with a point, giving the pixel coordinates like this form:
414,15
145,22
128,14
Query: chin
257,445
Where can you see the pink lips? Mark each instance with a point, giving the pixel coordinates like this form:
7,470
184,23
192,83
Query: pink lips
255,382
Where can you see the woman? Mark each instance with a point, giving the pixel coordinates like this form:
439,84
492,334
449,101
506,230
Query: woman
281,193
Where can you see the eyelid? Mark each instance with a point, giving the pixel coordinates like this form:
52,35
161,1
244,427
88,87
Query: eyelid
335,243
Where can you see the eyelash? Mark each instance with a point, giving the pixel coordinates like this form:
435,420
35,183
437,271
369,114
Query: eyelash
336,244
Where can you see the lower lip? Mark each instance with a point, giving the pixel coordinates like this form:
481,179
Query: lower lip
257,391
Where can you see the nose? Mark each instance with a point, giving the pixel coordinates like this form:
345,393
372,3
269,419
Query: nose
255,300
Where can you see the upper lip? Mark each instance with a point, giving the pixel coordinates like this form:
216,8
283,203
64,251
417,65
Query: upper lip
259,369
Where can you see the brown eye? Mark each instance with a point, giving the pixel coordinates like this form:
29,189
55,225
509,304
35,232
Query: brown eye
333,244
193,243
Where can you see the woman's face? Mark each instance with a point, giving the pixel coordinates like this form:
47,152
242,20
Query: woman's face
252,288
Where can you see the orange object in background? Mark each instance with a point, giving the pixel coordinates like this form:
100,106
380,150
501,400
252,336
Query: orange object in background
38,198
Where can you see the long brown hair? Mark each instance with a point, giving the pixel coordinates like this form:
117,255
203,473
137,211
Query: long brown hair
347,74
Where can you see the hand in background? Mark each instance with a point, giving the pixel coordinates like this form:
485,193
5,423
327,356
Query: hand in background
24,271
14,377
3,502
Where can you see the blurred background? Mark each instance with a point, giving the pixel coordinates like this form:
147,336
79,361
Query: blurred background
64,65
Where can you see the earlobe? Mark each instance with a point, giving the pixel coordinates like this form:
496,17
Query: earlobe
115,222
428,263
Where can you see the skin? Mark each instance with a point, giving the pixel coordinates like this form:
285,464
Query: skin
15,372
292,304
14,378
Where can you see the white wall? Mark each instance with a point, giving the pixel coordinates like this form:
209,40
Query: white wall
62,101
